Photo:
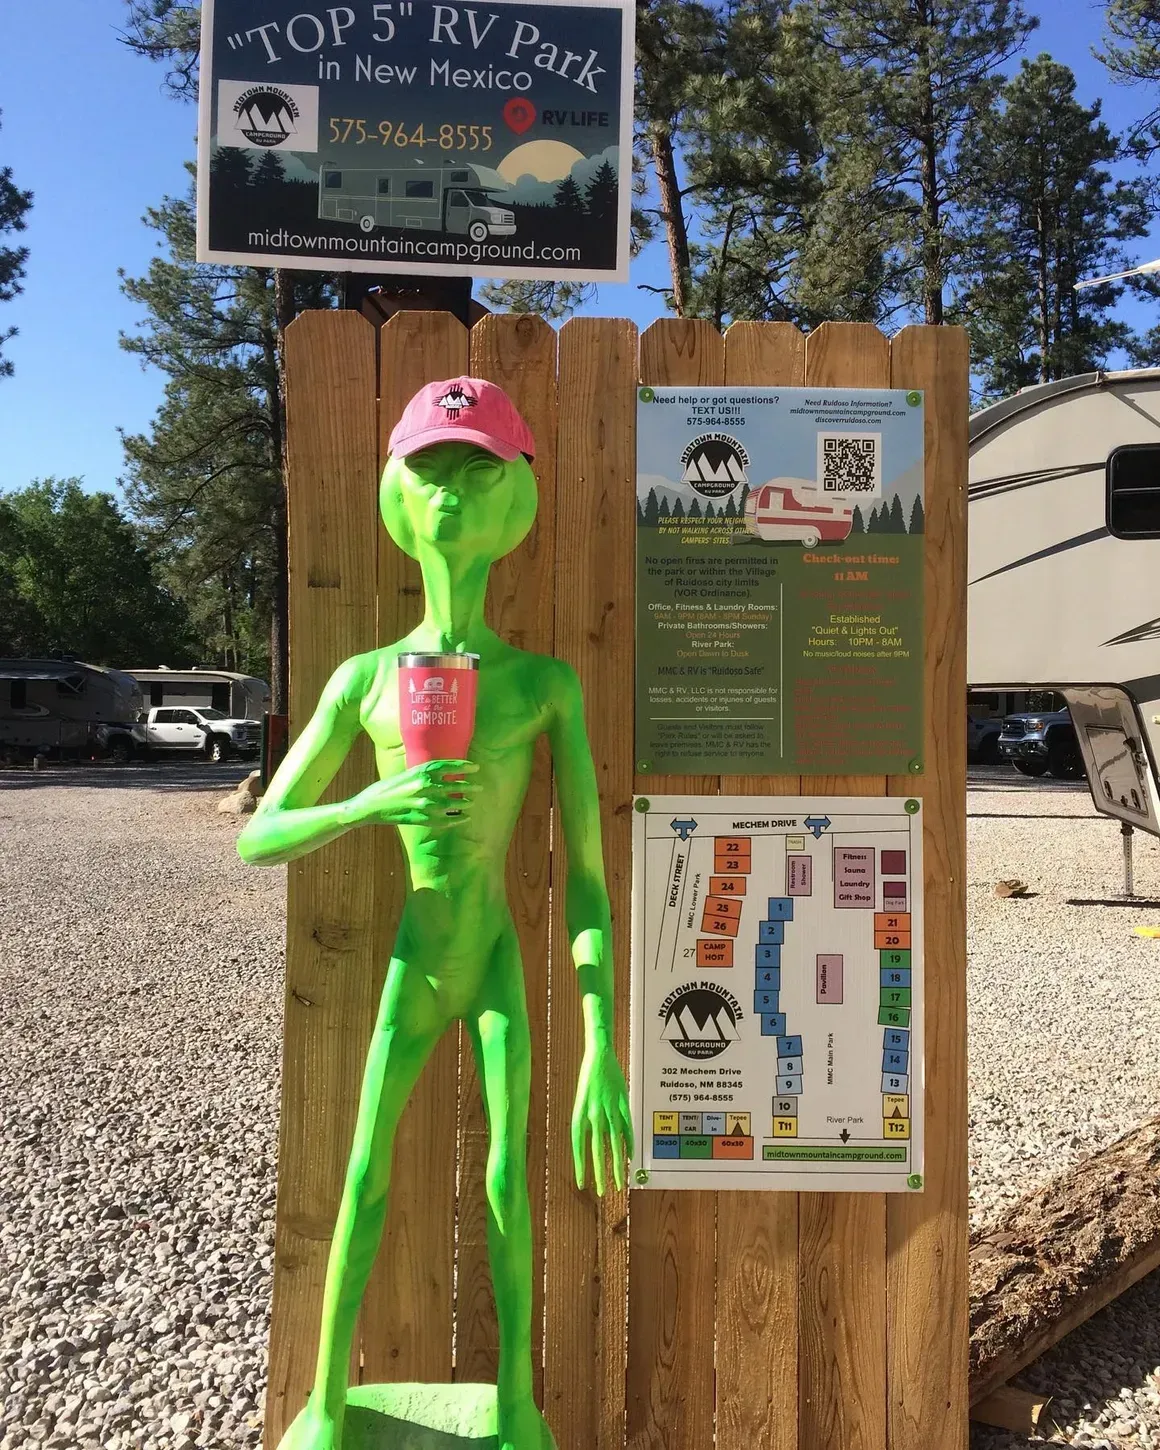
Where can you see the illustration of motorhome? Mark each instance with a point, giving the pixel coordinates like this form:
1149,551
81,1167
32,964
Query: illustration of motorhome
777,511
454,199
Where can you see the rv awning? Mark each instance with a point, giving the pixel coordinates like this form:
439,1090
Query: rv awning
68,676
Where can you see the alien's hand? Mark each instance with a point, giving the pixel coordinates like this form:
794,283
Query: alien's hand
601,1120
422,796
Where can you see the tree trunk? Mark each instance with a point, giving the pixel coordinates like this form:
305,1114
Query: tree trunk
673,216
932,251
284,313
1042,287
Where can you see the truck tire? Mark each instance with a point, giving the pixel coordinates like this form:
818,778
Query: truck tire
366,224
989,751
1030,767
120,750
217,748
477,231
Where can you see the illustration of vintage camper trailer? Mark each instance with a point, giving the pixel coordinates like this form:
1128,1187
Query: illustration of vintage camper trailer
789,510
454,200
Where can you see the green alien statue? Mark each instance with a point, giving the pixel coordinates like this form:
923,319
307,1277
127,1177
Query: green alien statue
457,494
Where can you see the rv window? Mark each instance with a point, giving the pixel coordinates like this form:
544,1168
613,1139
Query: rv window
18,695
334,181
384,186
420,188
461,176
1134,492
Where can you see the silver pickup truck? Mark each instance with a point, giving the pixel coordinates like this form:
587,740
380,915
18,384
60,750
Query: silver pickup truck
195,730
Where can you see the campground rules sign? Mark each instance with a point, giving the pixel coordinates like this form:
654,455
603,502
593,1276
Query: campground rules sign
486,140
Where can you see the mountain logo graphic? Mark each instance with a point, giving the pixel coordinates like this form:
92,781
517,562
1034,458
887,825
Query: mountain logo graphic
714,464
454,401
700,1020
266,115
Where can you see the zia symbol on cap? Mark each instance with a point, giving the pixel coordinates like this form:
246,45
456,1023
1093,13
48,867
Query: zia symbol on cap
454,400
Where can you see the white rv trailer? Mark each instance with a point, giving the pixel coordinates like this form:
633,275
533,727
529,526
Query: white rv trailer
53,706
1064,539
242,697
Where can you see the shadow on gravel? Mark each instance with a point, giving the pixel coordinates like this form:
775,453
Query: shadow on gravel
1135,901
179,776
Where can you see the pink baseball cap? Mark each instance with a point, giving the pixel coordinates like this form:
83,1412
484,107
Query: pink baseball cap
463,410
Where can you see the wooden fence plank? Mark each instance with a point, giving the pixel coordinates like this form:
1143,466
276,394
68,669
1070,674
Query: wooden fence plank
406,1325
330,968
927,1232
587,1259
842,1236
671,1265
757,1233
518,353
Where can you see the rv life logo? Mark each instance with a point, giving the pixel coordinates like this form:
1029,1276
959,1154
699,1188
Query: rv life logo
700,1019
266,117
714,464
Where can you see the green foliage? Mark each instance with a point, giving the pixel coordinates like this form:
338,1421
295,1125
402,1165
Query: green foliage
76,578
916,77
1042,212
14,205
206,480
168,31
858,526
917,517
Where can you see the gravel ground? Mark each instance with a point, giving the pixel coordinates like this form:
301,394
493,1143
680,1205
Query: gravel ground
140,1008
140,1003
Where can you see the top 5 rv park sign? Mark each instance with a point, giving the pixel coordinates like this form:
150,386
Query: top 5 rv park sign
490,139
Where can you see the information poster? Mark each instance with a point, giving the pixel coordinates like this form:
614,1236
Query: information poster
779,581
422,137
777,993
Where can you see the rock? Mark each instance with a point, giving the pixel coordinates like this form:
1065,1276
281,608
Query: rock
238,803
252,785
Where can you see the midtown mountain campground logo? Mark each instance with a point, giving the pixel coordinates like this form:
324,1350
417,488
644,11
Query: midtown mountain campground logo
454,401
267,117
700,1019
714,464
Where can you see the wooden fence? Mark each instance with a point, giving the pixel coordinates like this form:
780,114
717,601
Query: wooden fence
745,1320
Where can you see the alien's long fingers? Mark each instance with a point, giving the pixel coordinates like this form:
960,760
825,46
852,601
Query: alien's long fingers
629,1132
578,1145
599,1147
616,1142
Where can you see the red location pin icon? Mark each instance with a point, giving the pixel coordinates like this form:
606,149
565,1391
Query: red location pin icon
520,114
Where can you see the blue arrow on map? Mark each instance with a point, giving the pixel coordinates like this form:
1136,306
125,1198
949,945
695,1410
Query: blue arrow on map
685,829
817,824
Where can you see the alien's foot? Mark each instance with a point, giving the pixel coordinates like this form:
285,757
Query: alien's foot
520,1426
314,1429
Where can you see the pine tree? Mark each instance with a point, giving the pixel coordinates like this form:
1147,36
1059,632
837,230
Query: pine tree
1132,55
14,206
568,196
917,516
207,479
896,522
678,509
169,31
694,510
652,510
1042,212
917,77
858,525
601,196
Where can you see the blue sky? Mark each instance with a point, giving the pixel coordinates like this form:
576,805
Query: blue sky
98,154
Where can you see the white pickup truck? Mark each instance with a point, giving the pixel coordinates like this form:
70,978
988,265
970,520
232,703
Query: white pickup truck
195,730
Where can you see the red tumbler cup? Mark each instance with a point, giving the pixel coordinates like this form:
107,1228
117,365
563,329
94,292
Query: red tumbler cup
437,706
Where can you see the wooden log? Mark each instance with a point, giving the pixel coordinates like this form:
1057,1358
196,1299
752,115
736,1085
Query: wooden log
1011,1408
1061,1254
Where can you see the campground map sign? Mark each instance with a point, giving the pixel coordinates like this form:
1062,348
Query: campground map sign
489,140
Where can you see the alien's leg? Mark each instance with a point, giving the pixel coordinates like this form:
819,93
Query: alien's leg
410,1023
498,1025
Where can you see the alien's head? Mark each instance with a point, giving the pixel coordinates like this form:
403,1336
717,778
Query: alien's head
458,499
459,478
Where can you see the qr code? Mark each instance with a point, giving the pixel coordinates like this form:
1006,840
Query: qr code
850,462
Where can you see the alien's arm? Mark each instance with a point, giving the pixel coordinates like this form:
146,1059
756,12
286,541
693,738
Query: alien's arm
586,896
288,822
